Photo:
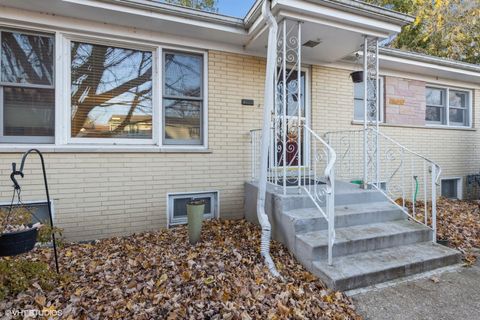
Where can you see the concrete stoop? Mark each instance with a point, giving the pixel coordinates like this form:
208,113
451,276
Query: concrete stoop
374,243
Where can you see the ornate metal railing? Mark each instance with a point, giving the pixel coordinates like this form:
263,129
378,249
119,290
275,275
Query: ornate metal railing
406,178
315,176
318,181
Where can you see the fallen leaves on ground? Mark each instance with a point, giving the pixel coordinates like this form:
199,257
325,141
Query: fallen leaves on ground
160,276
458,221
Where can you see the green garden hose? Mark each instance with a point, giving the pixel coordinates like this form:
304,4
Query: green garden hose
416,189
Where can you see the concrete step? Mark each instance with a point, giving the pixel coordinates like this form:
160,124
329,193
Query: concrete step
360,238
310,219
372,267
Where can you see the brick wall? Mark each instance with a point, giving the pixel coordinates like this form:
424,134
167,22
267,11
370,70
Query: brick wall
404,101
457,151
106,194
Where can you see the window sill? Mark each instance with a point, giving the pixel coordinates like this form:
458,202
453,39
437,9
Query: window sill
427,126
101,149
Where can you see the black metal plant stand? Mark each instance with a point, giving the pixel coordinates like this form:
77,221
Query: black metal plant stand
17,187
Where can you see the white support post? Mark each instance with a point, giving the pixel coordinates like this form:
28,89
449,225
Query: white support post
300,105
377,124
365,113
434,203
284,107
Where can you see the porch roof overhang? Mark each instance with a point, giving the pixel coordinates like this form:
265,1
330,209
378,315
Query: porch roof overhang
339,24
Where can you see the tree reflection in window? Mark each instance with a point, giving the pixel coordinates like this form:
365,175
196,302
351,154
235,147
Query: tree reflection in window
183,98
111,92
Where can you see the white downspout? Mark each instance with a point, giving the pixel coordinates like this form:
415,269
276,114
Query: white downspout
266,138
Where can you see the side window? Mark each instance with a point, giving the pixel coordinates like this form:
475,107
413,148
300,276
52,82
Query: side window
436,106
183,98
358,105
448,107
27,88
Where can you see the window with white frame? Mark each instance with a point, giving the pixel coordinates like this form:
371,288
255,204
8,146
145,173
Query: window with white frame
448,106
111,92
27,87
451,188
183,98
177,206
358,94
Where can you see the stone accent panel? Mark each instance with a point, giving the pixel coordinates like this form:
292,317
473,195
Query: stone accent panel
404,101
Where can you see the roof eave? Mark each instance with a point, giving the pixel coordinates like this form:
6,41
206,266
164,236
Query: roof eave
181,11
430,59
370,10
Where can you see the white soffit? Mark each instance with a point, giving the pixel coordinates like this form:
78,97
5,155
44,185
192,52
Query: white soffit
192,23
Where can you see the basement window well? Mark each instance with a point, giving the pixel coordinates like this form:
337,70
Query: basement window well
177,206
451,188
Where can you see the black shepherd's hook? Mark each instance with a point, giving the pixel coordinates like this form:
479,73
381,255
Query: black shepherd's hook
17,187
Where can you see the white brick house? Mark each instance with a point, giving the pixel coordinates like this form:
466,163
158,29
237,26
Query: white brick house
122,157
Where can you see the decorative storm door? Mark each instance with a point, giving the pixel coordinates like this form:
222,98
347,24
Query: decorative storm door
288,128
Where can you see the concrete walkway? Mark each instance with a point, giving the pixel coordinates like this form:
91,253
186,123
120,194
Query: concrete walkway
452,294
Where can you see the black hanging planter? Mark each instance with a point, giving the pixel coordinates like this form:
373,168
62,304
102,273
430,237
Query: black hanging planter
357,76
18,242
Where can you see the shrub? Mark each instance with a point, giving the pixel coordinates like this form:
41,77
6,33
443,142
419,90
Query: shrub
17,275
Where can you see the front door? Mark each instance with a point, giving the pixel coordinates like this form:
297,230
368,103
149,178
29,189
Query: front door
290,142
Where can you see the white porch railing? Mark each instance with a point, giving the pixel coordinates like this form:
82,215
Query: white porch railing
319,181
406,178
315,177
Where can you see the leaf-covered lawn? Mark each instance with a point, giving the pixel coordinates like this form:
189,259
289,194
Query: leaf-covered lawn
160,276
457,221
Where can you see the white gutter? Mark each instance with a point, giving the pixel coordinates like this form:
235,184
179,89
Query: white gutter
413,56
266,139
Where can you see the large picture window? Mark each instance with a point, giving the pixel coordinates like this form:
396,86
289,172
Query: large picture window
111,92
183,98
27,87
450,107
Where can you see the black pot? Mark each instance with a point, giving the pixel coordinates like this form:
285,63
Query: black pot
18,242
357,76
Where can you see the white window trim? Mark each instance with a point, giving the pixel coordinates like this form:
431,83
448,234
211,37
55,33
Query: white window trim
447,106
381,100
67,92
459,185
8,140
204,145
63,142
173,195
